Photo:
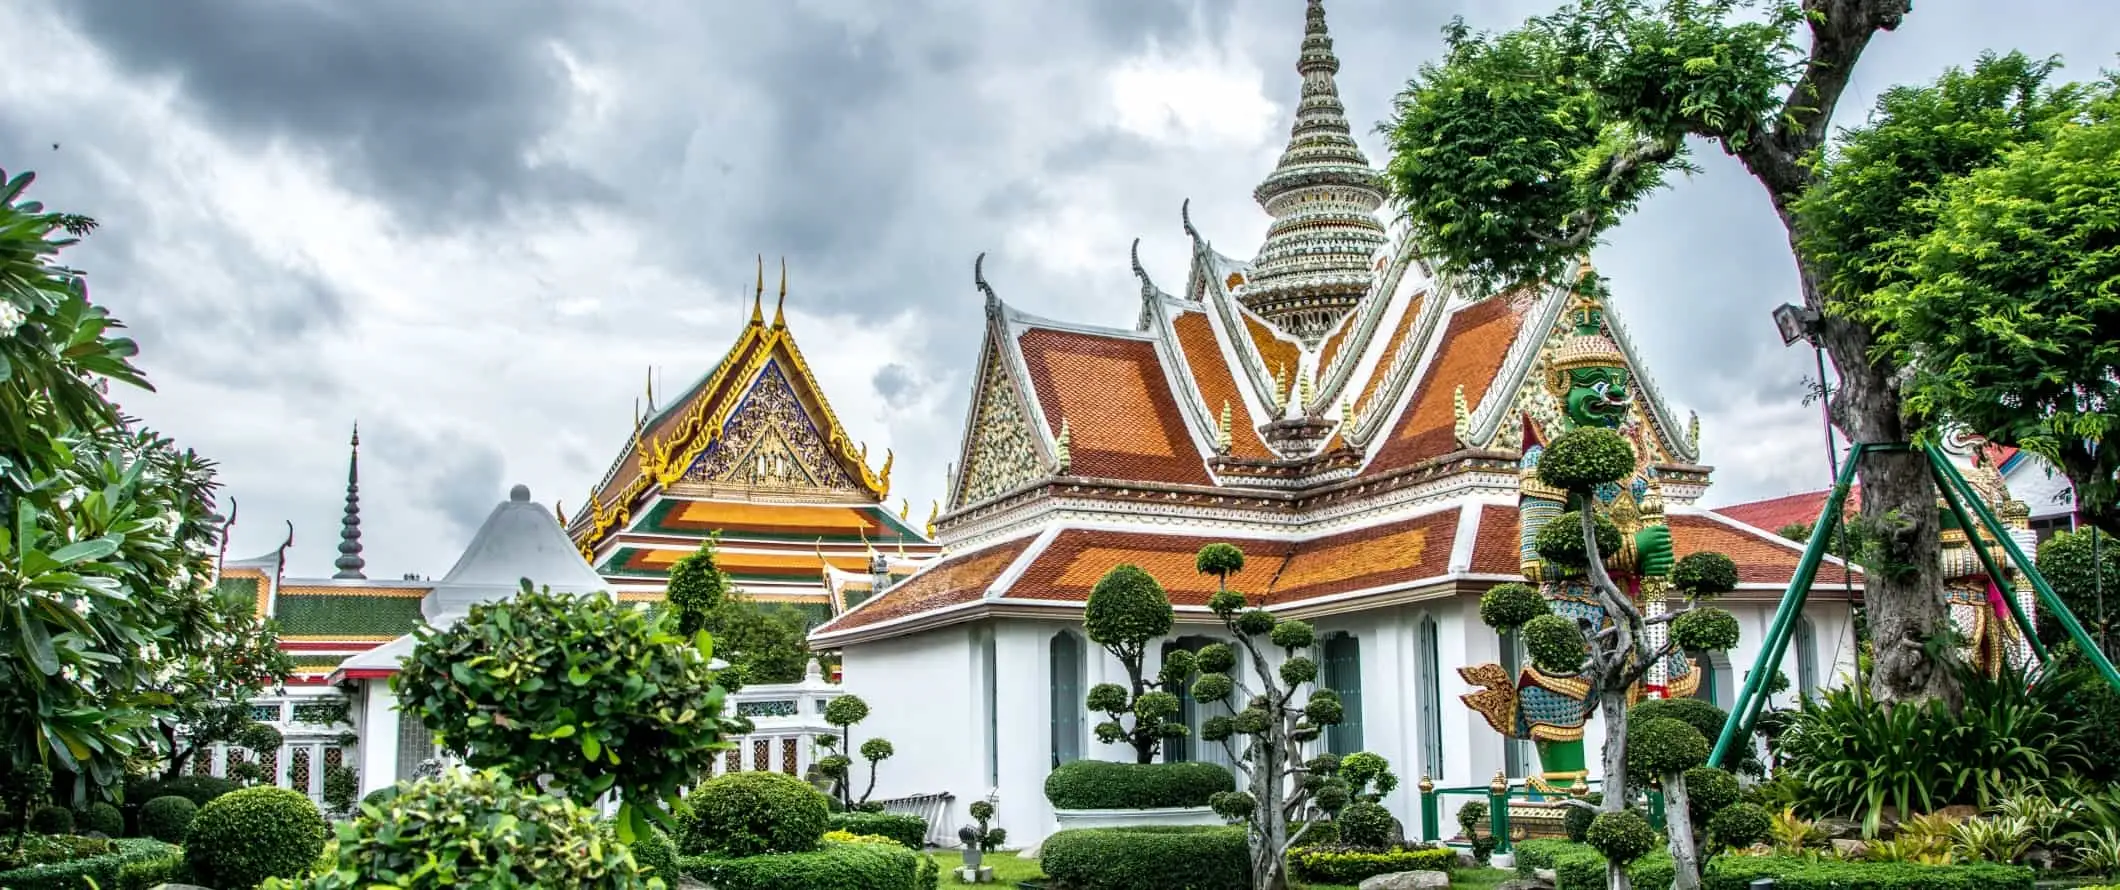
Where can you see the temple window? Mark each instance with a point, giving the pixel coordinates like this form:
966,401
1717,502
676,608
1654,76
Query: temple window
1806,643
1342,673
415,746
1067,697
1428,692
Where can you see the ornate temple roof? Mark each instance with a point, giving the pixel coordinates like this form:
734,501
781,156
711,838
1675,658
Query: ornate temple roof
753,454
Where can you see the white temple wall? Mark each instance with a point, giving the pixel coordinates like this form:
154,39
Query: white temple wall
922,695
377,707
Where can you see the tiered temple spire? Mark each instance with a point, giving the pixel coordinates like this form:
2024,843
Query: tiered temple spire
1323,195
349,563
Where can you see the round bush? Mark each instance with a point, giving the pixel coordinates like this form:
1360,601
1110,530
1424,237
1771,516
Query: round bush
1556,644
246,836
1508,606
835,865
1219,559
657,855
200,790
167,818
1709,791
1704,574
102,818
1472,817
1577,822
1148,858
1585,458
1126,605
52,820
1703,716
1253,622
478,829
751,813
1101,785
1664,746
846,710
1560,540
1739,826
1365,825
1705,630
1622,837
1293,634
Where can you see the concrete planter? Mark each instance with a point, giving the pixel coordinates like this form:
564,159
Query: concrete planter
1126,818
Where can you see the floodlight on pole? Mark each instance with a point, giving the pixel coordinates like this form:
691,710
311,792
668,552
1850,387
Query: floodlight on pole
1801,323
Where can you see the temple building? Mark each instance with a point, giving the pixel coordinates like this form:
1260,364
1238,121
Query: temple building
1365,432
752,454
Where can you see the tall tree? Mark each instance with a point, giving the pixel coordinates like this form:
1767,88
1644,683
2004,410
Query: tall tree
1972,221
1126,611
1517,151
764,644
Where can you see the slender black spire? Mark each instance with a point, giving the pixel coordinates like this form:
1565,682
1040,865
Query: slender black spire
349,563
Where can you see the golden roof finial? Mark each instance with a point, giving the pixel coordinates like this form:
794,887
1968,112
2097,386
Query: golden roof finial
905,509
883,478
934,511
1222,429
559,512
651,389
779,318
1462,416
758,315
865,545
1061,445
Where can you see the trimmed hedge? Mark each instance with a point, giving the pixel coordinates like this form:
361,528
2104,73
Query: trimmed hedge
1580,868
1320,834
200,790
243,837
1738,872
754,813
52,820
1340,865
1103,785
1539,853
1148,858
102,818
906,829
835,866
167,818
133,864
658,854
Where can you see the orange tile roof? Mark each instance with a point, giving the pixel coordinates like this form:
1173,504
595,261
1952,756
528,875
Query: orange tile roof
735,518
1470,354
1122,418
1217,383
1391,348
1773,514
953,581
736,562
1759,560
1499,549
1331,349
1274,571
1280,357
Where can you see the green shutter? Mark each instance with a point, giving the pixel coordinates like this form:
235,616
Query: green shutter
1343,674
1067,695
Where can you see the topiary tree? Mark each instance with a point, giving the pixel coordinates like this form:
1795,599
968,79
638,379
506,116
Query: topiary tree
27,787
52,820
167,819
1126,610
1666,748
1622,836
1366,825
476,829
754,813
1740,826
697,587
541,699
246,836
341,787
874,751
101,817
844,712
1273,727
984,837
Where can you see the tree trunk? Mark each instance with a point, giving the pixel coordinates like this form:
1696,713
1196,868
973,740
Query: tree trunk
1614,705
1144,745
1269,868
1680,823
178,757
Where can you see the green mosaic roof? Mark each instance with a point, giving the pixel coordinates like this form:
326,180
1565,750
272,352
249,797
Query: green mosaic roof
347,615
248,587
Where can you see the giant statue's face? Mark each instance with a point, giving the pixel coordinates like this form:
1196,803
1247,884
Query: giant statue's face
1598,396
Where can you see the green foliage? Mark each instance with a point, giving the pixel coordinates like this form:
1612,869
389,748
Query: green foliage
1705,629
1664,746
246,836
200,790
834,866
1555,644
656,856
1740,826
1126,609
52,820
1471,817
1969,222
1791,873
1581,868
1703,716
1560,540
341,786
474,829
1708,791
1576,824
260,737
1102,785
167,818
697,587
1148,858
1221,560
124,864
910,831
526,685
1621,836
2065,561
751,813
1586,457
1328,865
26,787
846,710
2091,713
1704,574
1365,825
1508,606
1368,776
102,818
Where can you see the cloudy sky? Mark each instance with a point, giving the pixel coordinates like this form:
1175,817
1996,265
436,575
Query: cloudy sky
474,226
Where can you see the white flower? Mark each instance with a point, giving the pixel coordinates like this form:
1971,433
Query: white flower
11,318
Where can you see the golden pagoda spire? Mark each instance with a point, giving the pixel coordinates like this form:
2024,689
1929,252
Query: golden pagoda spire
779,318
758,315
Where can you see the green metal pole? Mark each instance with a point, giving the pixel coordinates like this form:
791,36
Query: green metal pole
1746,709
1430,812
1498,812
1954,497
2047,598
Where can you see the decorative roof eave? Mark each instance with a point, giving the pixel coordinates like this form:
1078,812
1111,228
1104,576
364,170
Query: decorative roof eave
1365,320
1000,345
1211,288
1177,372
1401,367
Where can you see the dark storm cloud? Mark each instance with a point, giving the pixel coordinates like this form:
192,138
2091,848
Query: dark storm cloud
455,476
430,105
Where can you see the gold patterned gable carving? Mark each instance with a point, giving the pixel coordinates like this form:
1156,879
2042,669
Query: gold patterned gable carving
770,442
1004,451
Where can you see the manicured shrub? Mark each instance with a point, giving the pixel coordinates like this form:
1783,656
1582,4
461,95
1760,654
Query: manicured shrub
200,790
342,788
476,829
1318,834
1709,791
1738,872
1148,858
1586,457
167,818
1102,785
1560,541
1576,823
1739,826
1705,630
129,864
1539,853
908,830
750,813
1340,865
1704,574
1703,716
1555,644
1622,836
657,855
1506,606
102,818
1583,869
52,820
243,837
1365,826
833,866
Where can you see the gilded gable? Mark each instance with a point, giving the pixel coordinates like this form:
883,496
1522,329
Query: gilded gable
770,442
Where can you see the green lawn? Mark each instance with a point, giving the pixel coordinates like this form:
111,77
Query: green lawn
1008,869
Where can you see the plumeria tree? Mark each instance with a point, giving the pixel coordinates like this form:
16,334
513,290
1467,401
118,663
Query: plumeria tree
1266,734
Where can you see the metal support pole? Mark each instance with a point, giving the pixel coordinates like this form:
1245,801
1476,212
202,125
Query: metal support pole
1955,500
1498,811
1430,812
